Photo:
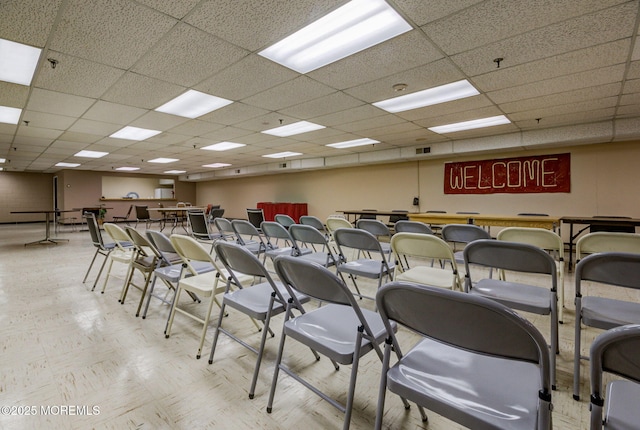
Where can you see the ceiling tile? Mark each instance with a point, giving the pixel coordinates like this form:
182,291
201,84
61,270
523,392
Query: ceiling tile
141,91
13,95
289,94
47,120
437,9
337,101
39,14
177,9
58,103
158,121
113,113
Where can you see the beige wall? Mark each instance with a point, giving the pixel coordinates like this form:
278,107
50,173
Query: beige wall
25,192
604,181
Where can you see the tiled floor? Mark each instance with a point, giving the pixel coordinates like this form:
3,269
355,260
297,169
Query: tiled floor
87,362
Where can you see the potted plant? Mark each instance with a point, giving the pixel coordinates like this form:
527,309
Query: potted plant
101,214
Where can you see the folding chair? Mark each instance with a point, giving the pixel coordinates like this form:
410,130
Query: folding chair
285,220
142,215
603,271
202,284
225,229
419,248
315,223
603,241
273,232
379,230
522,258
616,351
123,253
339,330
544,239
124,218
102,248
412,227
375,266
304,235
462,234
260,301
200,228
255,216
250,237
145,260
493,373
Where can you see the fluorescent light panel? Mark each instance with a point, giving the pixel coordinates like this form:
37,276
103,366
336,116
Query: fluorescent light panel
193,104
67,164
19,62
163,160
175,172
444,93
351,28
129,169
470,125
216,165
352,143
9,115
90,154
2,160
292,129
223,146
283,154
134,133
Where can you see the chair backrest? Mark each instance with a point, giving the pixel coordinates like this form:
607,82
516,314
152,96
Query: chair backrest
142,244
128,214
436,313
224,227
199,225
540,237
312,221
373,226
519,257
94,230
215,213
163,245
191,250
255,216
284,220
463,233
607,242
274,230
421,245
142,212
412,227
615,351
334,223
314,280
307,234
614,268
357,239
245,228
117,234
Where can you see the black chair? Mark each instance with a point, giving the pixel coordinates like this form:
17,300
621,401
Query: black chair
612,227
125,218
255,216
142,215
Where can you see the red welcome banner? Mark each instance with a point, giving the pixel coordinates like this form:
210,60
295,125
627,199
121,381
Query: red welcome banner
537,174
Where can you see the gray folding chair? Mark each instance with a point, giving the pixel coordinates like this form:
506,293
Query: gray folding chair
285,220
102,248
260,301
412,227
273,232
304,235
603,271
493,373
315,223
616,351
376,266
379,230
225,229
521,258
145,260
459,235
250,237
339,330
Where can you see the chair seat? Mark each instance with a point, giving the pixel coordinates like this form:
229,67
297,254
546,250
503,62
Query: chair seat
364,267
203,284
622,405
607,313
121,256
528,298
286,250
321,258
173,273
254,300
330,330
428,276
473,389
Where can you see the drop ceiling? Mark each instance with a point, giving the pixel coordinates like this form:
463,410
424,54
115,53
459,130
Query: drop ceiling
570,72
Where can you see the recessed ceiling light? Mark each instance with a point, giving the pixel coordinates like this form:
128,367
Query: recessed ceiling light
295,128
10,115
223,146
470,125
175,172
67,164
283,154
216,165
130,169
2,160
18,62
352,143
351,28
134,133
90,154
163,160
193,104
443,93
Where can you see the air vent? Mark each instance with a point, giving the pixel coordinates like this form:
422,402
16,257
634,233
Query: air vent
425,150
237,171
282,165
